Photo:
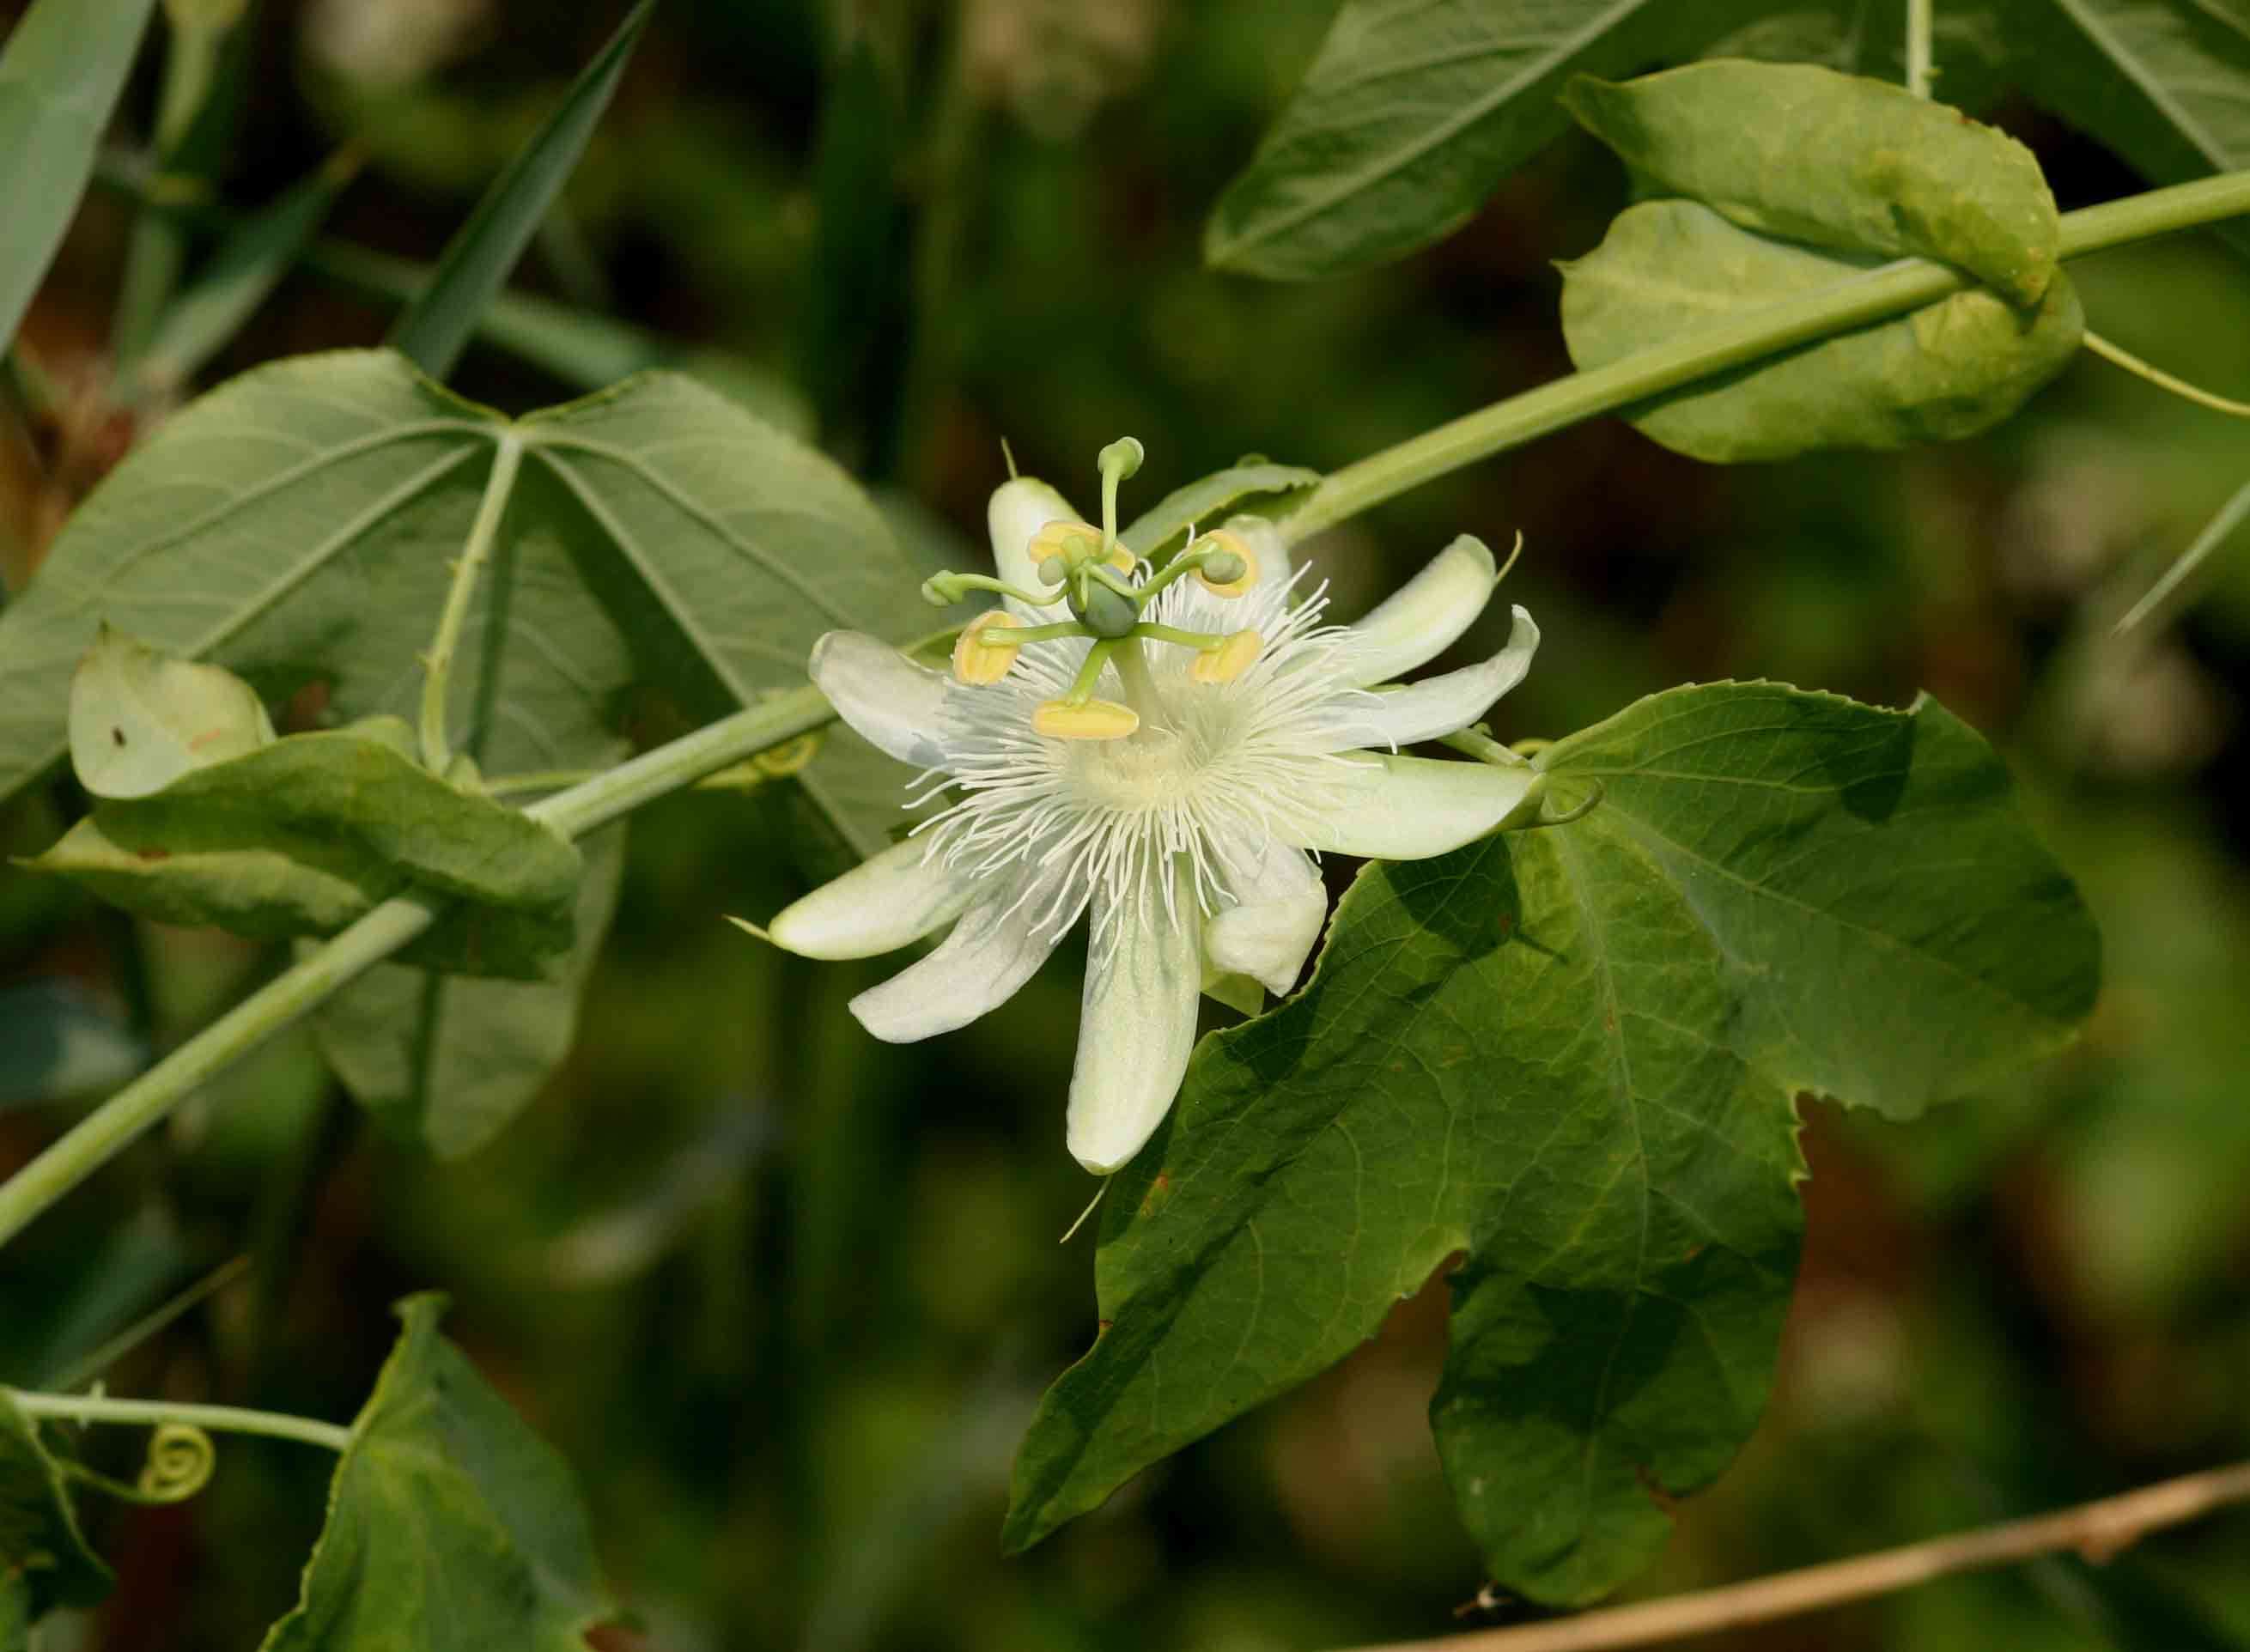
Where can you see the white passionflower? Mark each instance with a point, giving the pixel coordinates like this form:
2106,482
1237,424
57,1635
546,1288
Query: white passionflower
1169,747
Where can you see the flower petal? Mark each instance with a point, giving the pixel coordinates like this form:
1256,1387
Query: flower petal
1136,1025
1425,615
1270,932
879,907
991,953
896,703
1412,808
1018,510
1438,705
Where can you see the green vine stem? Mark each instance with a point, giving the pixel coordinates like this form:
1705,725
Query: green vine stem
437,664
156,1413
1876,296
1870,297
104,1132
1918,31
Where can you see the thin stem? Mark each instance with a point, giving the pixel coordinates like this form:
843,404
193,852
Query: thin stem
1872,297
1202,641
2119,357
1917,46
1478,744
437,665
2096,1530
154,1414
2231,516
102,1133
1876,296
106,1131
1140,686
92,1364
541,779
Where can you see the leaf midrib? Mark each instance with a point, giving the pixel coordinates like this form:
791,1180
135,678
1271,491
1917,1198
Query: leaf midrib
1367,177
2144,80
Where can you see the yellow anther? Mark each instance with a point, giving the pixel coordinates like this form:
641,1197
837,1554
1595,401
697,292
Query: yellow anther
1228,661
1095,720
1073,541
1122,560
1220,540
978,659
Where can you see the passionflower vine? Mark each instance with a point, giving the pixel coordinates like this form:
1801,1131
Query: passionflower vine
1167,747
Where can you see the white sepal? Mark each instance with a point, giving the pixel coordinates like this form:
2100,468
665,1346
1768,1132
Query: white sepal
1426,615
991,953
1136,1025
898,705
1018,510
1270,931
1439,706
1412,808
879,907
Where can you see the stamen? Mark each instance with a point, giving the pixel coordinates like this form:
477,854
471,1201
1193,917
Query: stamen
1094,720
1229,660
1218,543
1070,542
978,660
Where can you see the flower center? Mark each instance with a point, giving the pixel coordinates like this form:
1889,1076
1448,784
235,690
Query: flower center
1106,593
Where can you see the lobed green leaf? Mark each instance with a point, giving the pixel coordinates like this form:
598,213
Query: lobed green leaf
44,1558
1839,162
452,1526
1939,374
1570,1054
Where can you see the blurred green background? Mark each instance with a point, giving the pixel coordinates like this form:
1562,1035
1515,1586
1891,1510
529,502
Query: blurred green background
784,1296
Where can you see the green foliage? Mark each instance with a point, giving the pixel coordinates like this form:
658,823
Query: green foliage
1202,502
60,74
450,1525
312,832
657,533
242,272
2159,81
1571,1053
1411,114
447,1060
1836,161
436,326
43,1559
1947,371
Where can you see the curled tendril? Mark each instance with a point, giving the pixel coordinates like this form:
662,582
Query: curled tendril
181,1458
180,1461
1578,813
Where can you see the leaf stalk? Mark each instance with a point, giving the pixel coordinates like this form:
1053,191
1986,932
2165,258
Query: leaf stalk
155,1414
1894,288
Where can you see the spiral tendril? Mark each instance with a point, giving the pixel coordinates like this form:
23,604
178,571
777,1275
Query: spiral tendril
181,1458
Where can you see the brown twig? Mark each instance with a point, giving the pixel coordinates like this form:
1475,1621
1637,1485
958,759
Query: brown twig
2096,1531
